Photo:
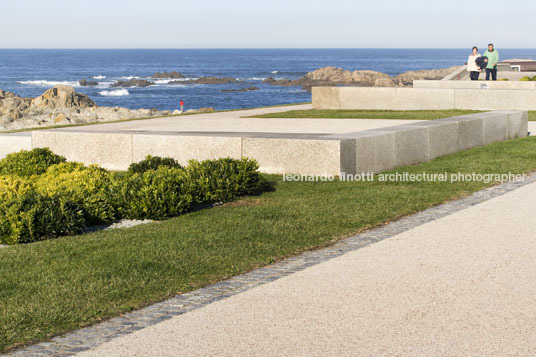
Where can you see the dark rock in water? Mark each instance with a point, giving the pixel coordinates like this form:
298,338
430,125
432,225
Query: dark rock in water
168,75
240,90
86,83
216,80
132,83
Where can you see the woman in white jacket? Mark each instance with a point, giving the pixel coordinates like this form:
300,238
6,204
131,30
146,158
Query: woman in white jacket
472,68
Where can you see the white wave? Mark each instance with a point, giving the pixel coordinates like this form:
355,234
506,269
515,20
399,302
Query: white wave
275,72
104,84
100,76
114,93
130,77
256,79
45,83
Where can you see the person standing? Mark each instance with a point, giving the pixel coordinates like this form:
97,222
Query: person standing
473,69
181,104
493,59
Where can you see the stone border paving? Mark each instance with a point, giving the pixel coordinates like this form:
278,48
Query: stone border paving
90,337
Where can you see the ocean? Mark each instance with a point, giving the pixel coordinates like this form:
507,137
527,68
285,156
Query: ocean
29,72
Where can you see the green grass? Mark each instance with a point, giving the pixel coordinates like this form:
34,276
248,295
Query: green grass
374,114
51,287
367,114
142,118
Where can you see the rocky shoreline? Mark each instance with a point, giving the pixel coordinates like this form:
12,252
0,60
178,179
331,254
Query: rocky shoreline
62,105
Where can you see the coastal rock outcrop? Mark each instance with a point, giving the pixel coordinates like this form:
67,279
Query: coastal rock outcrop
331,76
87,83
11,106
61,105
247,89
407,78
62,96
173,75
132,83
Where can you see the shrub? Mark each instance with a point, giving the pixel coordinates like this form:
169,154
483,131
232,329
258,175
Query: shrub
224,179
27,163
32,217
13,186
94,188
153,163
156,194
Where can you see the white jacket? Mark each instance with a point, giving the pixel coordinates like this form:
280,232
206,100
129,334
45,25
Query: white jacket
471,63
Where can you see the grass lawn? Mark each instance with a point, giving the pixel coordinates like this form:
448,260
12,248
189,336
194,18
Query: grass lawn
51,287
367,114
374,114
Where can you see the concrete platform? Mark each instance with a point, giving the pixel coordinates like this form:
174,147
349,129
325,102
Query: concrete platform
369,98
303,146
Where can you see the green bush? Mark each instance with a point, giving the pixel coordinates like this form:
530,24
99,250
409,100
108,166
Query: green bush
153,163
13,186
27,163
224,179
93,187
33,217
156,194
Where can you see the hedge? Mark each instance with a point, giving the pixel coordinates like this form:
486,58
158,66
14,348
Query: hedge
43,196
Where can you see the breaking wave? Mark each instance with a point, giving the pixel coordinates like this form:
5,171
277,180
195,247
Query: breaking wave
114,93
45,83
99,77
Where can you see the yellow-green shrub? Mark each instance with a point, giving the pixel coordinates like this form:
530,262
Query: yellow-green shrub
93,187
12,186
27,163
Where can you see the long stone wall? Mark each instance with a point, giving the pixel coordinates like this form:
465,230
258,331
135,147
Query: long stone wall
373,150
442,84
422,98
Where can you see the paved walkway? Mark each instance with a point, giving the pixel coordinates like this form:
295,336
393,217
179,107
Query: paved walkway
460,285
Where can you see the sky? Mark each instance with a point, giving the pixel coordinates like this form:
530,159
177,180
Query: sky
266,23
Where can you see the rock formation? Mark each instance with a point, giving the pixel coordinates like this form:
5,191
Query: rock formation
247,89
331,76
132,83
168,75
61,105
86,83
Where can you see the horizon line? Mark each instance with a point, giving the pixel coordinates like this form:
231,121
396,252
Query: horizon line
254,48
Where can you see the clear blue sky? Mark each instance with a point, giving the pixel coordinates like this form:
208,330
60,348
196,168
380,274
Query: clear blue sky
266,23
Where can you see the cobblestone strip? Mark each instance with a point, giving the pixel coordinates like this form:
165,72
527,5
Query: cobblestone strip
90,337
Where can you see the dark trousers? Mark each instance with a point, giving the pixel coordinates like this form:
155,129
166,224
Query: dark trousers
474,75
493,73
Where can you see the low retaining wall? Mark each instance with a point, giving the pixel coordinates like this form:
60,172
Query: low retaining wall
441,84
422,98
373,150
276,153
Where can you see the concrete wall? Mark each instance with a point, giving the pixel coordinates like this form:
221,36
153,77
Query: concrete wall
373,150
387,148
422,98
277,153
439,84
14,142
